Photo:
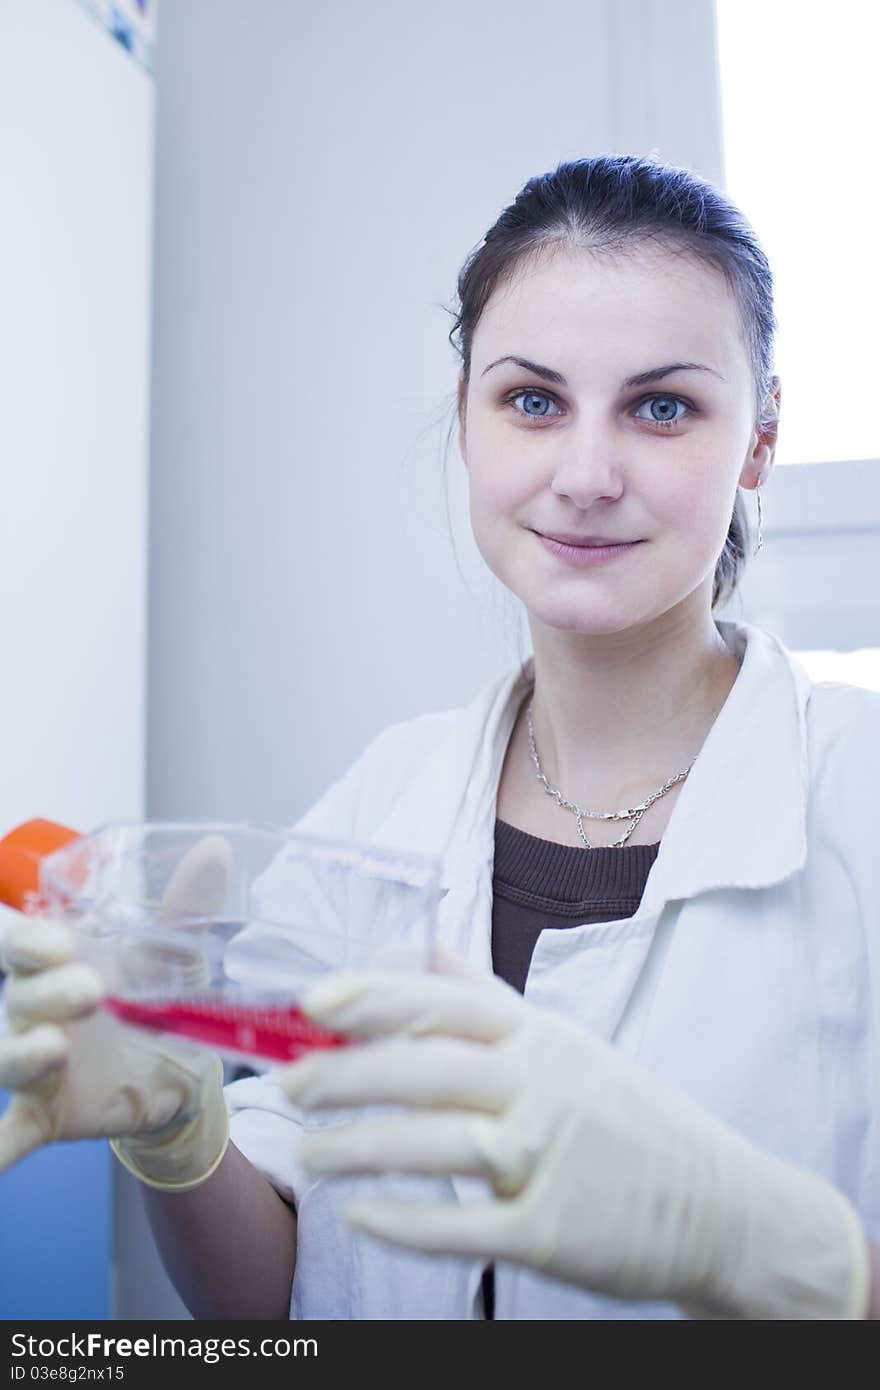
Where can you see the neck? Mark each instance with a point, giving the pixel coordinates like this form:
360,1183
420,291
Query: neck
616,715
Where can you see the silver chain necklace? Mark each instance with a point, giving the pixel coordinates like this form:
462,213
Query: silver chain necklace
636,812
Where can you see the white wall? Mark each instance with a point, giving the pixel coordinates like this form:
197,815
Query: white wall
815,583
322,172
76,155
76,191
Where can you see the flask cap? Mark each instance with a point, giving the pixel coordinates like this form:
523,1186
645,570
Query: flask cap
21,852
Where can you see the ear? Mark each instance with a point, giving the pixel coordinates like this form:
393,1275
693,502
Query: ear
760,461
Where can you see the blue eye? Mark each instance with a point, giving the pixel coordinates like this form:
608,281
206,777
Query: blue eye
666,423
531,396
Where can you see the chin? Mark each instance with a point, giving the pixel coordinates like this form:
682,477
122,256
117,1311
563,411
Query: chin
591,619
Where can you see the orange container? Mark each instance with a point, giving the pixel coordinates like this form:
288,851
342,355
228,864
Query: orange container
21,852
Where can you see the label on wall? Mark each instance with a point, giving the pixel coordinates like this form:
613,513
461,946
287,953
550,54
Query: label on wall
131,22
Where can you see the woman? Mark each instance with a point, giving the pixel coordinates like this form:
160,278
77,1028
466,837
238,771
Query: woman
680,1116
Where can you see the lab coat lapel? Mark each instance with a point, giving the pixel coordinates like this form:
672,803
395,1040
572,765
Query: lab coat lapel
448,810
602,974
740,820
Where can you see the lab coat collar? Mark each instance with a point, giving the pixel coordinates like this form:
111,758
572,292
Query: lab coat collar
739,821
741,818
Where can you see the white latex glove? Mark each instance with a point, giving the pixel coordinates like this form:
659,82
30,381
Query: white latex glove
77,1073
608,1178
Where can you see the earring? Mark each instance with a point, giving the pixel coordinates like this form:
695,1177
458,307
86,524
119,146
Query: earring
760,545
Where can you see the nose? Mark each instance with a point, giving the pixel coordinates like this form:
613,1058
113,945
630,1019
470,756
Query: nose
587,469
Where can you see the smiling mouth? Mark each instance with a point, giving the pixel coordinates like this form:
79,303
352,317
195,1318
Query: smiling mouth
584,544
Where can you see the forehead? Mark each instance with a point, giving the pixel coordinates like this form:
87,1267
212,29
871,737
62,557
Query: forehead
612,311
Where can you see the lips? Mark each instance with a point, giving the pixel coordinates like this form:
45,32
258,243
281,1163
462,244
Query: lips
588,542
583,557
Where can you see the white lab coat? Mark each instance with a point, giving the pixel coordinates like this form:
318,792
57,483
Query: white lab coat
749,976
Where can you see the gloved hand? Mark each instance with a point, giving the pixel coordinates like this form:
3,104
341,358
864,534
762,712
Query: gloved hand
608,1177
77,1073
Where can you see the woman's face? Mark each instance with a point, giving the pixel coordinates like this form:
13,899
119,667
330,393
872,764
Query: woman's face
592,456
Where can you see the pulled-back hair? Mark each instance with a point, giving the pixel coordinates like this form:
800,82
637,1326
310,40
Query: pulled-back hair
619,204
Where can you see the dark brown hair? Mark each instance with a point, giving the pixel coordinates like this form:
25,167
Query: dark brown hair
615,205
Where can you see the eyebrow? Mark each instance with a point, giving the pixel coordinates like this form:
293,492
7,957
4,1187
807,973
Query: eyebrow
640,379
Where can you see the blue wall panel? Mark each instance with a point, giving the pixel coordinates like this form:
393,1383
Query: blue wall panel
55,1242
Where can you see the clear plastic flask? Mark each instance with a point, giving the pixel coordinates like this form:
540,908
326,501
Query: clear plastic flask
211,931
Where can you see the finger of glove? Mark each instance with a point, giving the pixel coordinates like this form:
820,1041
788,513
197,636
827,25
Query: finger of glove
25,1058
452,1142
433,1072
200,882
198,887
35,943
476,1230
373,1003
59,995
22,1129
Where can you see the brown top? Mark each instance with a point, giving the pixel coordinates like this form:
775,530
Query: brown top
538,883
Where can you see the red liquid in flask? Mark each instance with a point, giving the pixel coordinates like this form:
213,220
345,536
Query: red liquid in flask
281,1033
